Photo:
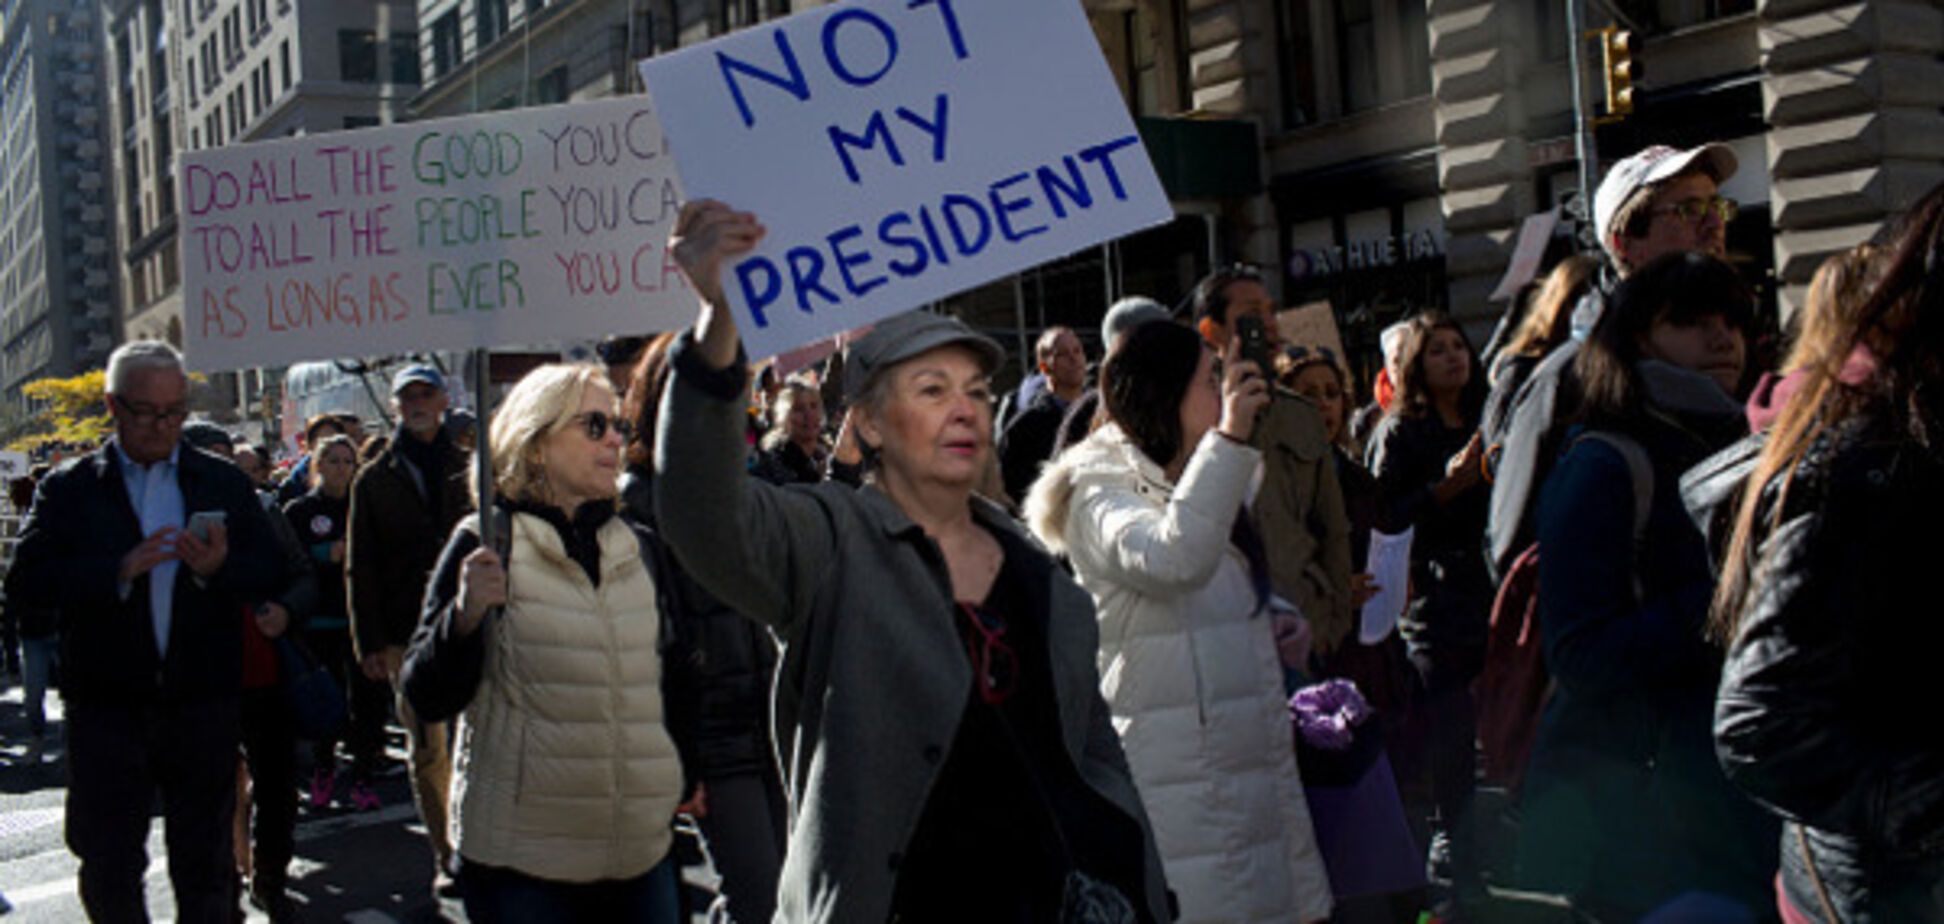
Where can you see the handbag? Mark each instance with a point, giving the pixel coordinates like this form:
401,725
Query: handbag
316,702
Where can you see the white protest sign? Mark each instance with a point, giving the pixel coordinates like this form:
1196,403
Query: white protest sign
902,150
521,227
13,464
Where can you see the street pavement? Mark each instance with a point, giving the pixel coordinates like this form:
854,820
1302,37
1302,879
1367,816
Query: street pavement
355,867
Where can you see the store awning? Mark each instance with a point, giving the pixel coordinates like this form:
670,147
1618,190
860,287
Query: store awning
1204,158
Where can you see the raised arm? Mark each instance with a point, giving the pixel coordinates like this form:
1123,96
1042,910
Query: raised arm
761,549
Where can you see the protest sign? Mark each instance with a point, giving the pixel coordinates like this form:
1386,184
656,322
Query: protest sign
902,150
1312,325
521,227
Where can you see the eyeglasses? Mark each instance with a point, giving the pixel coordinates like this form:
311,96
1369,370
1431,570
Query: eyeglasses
596,425
145,414
995,666
1692,210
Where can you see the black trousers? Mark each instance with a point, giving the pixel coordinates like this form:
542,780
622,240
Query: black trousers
270,748
119,757
370,704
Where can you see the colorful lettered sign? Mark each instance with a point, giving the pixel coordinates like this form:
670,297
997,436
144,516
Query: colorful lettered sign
524,227
902,150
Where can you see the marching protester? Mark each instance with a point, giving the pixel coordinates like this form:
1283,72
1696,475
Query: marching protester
321,518
1383,387
149,550
1547,324
548,643
1625,807
37,627
1816,596
1028,439
266,802
1122,317
317,429
793,451
719,667
1299,507
404,503
1149,510
1381,670
1656,202
938,708
1426,456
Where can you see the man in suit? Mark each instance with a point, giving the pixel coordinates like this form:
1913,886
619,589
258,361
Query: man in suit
151,619
403,506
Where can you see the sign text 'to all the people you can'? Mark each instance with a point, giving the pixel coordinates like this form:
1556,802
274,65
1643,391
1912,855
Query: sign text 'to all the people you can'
899,151
527,227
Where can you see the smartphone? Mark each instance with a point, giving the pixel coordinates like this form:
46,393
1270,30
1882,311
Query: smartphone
1255,344
201,520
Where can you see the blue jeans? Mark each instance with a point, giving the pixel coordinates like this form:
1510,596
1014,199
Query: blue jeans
496,894
38,657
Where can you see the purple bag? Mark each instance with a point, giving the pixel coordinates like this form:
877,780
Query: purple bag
1359,820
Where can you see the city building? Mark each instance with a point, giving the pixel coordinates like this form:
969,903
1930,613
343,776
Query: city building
143,119
1402,143
57,312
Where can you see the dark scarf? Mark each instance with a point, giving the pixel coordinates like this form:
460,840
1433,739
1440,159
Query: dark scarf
581,535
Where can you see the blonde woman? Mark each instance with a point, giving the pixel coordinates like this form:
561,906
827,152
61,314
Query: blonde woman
566,776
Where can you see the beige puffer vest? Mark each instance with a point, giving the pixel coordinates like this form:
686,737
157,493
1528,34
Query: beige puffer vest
565,770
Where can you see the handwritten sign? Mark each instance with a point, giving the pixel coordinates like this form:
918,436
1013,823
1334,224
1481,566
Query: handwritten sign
1311,325
902,150
524,227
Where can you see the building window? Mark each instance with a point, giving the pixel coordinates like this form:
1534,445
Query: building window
1549,28
1357,54
1414,37
283,62
1296,59
356,122
642,43
533,7
551,87
446,52
492,21
404,58
357,56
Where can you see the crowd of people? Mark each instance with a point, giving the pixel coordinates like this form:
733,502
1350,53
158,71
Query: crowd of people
1097,651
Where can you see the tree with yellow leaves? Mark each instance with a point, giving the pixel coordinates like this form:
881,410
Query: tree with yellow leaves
72,410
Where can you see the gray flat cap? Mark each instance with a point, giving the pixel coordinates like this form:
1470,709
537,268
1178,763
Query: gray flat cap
896,339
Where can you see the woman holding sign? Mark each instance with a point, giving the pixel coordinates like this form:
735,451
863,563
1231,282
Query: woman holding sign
567,777
938,707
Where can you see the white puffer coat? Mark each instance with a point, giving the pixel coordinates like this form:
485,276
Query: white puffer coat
565,768
1188,665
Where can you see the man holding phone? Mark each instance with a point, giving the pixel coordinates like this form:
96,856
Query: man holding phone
1299,509
151,643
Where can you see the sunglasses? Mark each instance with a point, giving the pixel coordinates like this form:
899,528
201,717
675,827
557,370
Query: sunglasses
596,425
993,661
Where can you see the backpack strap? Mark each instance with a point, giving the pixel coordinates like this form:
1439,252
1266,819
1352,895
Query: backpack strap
1641,468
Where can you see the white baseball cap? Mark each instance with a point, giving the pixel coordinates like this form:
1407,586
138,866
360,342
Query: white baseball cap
1651,166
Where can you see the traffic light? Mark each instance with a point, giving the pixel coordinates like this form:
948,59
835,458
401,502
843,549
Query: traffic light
1617,50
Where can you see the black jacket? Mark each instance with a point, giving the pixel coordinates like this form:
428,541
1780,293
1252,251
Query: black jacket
70,552
720,664
1822,713
1028,442
1447,617
395,539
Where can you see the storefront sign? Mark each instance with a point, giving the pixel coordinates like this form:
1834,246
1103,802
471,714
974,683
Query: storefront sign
1410,247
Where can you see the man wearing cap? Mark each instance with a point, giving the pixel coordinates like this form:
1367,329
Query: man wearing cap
403,506
1299,509
1657,202
150,603
1028,440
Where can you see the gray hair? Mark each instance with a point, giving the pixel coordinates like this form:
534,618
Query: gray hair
137,355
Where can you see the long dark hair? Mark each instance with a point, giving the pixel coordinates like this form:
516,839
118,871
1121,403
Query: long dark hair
1413,394
1143,382
1680,288
1549,318
1901,323
642,403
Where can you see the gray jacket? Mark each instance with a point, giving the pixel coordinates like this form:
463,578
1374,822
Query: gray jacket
874,679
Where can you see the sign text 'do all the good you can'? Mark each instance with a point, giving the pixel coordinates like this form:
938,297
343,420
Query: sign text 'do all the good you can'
526,227
899,151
